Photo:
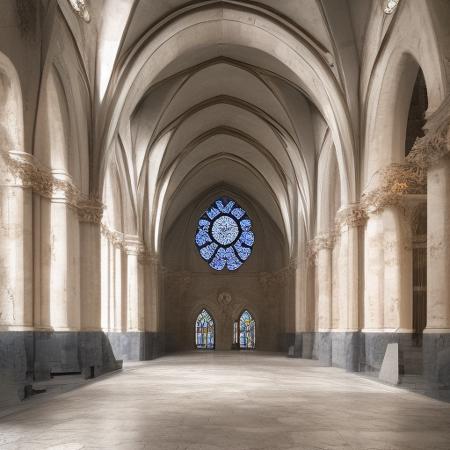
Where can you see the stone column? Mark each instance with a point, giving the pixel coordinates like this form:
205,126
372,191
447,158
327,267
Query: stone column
105,282
346,340
323,259
90,214
133,248
16,257
438,276
118,288
397,271
112,285
60,282
321,254
349,220
432,153
153,319
374,274
152,307
389,251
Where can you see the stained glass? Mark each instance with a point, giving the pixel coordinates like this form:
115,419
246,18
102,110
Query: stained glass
246,331
204,331
224,237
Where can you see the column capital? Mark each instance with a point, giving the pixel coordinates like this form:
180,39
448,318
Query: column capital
133,246
396,182
352,215
435,145
320,242
90,210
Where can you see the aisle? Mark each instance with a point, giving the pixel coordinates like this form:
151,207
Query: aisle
230,400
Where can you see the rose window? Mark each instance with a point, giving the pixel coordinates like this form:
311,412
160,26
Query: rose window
224,235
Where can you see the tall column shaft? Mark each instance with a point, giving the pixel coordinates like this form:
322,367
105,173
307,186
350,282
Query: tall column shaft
60,272
105,282
134,287
90,292
374,274
397,272
347,279
323,275
16,263
117,277
152,295
438,218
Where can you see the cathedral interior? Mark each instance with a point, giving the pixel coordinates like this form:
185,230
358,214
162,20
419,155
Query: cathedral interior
208,199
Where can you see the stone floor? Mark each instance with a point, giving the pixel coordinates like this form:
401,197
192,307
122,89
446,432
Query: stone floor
229,400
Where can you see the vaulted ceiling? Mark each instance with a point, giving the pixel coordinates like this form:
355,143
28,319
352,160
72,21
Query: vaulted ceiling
188,95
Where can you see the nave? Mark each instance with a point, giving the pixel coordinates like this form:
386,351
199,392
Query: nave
229,400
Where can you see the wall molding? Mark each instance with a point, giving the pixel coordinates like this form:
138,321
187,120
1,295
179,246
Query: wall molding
25,171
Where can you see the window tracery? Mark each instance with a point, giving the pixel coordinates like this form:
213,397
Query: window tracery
204,331
224,235
246,331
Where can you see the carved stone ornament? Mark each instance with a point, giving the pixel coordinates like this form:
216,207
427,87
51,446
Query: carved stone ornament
398,180
320,242
431,148
27,172
224,299
90,210
81,8
133,247
352,216
267,280
391,6
435,145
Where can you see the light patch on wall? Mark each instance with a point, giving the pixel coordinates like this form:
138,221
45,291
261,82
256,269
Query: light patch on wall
81,7
391,6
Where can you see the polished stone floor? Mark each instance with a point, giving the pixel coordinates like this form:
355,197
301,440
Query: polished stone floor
229,400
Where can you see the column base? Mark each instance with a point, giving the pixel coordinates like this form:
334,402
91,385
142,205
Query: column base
357,351
28,356
436,364
137,345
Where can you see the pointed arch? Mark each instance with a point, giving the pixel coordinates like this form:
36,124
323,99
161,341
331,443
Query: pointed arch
247,330
205,331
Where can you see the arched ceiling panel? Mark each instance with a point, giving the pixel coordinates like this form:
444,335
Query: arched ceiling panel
225,79
234,173
229,117
292,55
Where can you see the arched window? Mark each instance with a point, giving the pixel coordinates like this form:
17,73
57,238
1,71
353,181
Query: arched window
246,331
224,235
204,331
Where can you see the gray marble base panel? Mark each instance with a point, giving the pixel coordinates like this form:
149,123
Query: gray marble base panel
436,363
137,346
31,356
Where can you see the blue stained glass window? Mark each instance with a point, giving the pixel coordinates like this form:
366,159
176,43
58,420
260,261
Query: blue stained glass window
204,331
246,331
224,237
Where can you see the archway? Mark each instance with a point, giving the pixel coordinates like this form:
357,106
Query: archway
205,331
247,331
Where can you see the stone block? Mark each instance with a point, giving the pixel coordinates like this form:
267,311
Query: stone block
389,368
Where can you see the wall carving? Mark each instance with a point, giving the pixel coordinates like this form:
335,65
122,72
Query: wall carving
320,242
224,299
353,215
81,8
398,180
430,149
391,6
28,173
131,245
